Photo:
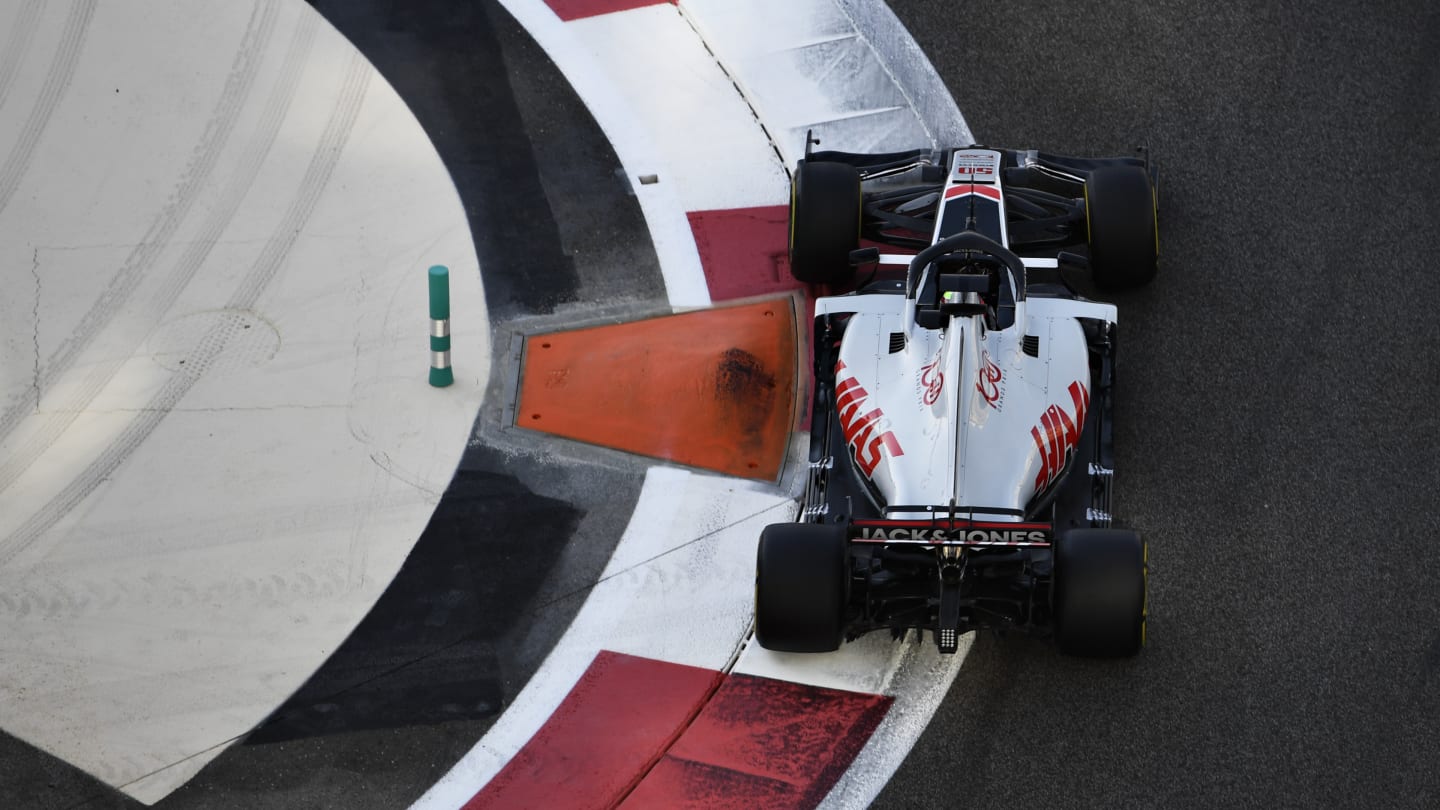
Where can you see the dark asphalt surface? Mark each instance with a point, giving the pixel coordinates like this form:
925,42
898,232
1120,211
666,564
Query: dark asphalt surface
1277,420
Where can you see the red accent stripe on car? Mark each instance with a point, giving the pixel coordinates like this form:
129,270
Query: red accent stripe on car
877,541
940,523
616,723
965,188
568,10
762,742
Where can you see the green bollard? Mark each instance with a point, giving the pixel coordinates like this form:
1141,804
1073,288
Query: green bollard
441,374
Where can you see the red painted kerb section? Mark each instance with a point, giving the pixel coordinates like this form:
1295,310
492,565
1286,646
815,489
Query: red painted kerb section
568,10
641,733
619,719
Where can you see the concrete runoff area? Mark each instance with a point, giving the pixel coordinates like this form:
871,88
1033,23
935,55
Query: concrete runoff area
217,443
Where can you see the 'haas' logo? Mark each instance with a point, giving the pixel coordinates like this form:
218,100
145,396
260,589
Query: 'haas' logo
859,425
1058,433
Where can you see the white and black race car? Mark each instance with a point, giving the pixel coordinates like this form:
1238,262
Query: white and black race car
961,439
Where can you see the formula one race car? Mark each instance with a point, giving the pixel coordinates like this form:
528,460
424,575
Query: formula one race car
961,438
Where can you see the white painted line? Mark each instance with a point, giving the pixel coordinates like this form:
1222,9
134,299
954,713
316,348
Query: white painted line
864,665
809,64
715,151
217,278
918,678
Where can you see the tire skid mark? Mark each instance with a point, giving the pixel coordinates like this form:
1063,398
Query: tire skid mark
219,528
57,81
18,44
94,599
147,316
317,175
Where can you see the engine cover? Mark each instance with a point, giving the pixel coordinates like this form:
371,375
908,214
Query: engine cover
963,414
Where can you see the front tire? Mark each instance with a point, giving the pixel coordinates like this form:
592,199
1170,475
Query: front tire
1120,217
1100,593
800,587
824,222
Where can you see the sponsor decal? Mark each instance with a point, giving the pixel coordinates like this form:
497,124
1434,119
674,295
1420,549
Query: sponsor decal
988,537
975,165
1058,433
932,381
860,424
988,382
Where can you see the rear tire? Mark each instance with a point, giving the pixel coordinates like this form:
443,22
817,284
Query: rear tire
824,222
800,587
1100,598
1120,216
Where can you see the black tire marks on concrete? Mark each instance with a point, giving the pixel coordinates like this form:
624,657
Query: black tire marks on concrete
136,322
18,44
311,185
523,531
57,81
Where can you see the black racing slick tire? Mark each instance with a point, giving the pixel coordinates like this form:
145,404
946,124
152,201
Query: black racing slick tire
800,587
1120,220
1100,593
824,222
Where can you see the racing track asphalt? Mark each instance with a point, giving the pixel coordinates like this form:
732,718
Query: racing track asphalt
1277,427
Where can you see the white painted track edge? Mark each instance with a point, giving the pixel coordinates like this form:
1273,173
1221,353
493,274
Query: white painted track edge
907,64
